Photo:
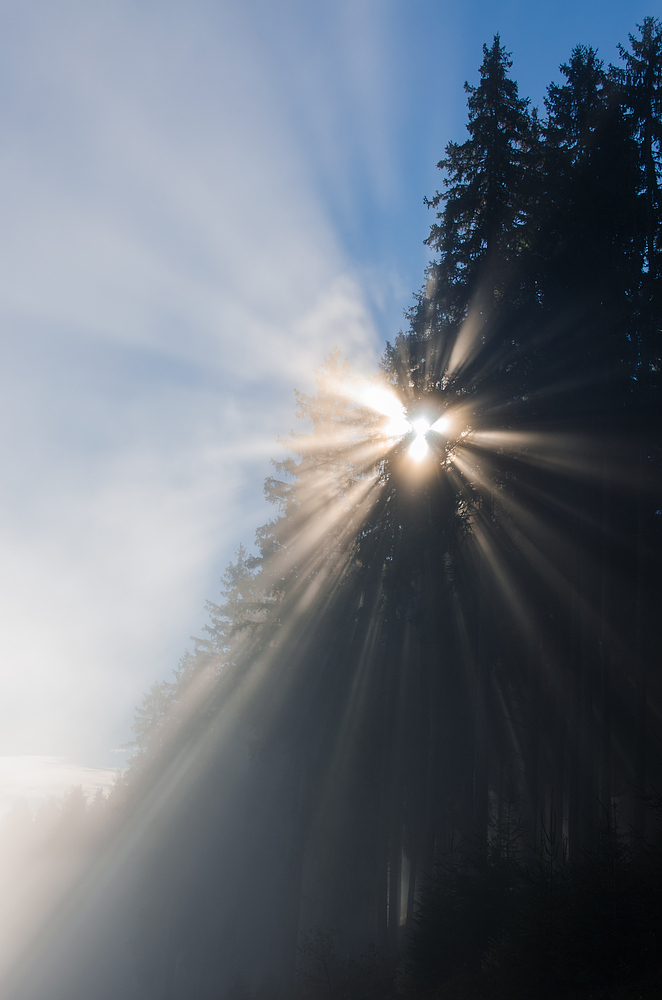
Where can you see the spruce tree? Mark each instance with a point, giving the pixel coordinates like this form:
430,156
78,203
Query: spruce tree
643,93
477,231
642,85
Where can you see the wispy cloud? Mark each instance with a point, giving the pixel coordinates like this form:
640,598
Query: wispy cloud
169,271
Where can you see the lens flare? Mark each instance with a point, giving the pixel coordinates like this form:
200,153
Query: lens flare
419,447
441,426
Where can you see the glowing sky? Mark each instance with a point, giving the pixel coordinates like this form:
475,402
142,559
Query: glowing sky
199,200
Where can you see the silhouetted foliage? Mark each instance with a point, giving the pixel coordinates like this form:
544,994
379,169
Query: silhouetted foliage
544,926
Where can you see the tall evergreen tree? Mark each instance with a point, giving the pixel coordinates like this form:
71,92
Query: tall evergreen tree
576,109
643,92
482,201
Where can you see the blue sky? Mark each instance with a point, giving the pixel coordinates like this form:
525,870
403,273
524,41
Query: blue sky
199,201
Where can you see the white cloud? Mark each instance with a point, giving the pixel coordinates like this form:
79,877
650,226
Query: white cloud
169,272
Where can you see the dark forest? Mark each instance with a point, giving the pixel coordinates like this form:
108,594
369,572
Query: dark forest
417,750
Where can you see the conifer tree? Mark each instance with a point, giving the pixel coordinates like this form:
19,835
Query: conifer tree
642,85
643,93
482,208
576,109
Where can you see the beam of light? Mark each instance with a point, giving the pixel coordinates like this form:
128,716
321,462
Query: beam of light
572,454
419,448
336,493
333,497
320,552
382,401
441,426
396,428
467,343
